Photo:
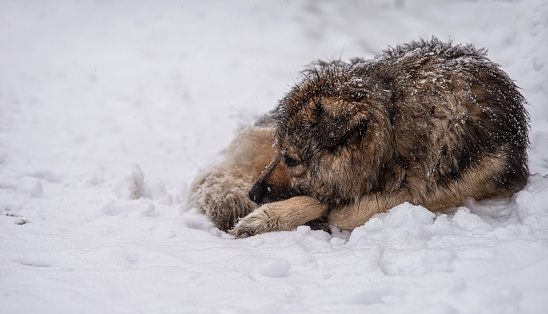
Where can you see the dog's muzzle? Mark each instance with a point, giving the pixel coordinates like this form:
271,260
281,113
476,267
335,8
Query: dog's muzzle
257,193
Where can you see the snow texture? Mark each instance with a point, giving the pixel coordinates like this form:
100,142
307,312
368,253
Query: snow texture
109,109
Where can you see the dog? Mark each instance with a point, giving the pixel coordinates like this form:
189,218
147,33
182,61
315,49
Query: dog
431,123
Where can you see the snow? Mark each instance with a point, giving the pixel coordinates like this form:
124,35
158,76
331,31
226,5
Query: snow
108,110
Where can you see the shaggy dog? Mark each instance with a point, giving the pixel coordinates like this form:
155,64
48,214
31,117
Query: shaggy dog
429,123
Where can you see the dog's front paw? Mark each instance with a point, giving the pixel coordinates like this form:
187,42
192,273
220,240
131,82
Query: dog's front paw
240,232
257,222
222,196
279,216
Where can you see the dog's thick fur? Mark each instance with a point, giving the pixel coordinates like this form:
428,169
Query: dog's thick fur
430,123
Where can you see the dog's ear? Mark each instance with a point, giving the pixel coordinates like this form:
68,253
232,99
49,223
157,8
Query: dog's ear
337,123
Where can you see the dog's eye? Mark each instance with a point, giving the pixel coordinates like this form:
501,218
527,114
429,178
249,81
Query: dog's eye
291,162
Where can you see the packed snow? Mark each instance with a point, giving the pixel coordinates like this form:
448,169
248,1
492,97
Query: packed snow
109,109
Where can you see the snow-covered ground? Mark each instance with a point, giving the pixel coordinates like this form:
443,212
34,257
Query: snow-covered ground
108,109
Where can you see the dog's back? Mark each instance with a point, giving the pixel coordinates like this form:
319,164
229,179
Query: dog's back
459,121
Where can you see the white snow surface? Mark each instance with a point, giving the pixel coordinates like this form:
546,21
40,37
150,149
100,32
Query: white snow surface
109,109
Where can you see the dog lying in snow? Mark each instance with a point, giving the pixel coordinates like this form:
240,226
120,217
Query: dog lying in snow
428,122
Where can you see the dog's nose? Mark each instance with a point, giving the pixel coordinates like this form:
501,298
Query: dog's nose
257,193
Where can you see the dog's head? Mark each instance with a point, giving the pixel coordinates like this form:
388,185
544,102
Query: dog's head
333,137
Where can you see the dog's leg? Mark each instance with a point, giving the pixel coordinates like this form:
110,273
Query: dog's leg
478,182
356,214
221,192
280,216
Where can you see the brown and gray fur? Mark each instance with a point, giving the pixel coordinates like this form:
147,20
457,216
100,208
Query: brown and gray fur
429,123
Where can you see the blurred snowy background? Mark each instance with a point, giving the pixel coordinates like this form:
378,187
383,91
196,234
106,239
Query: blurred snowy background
108,109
